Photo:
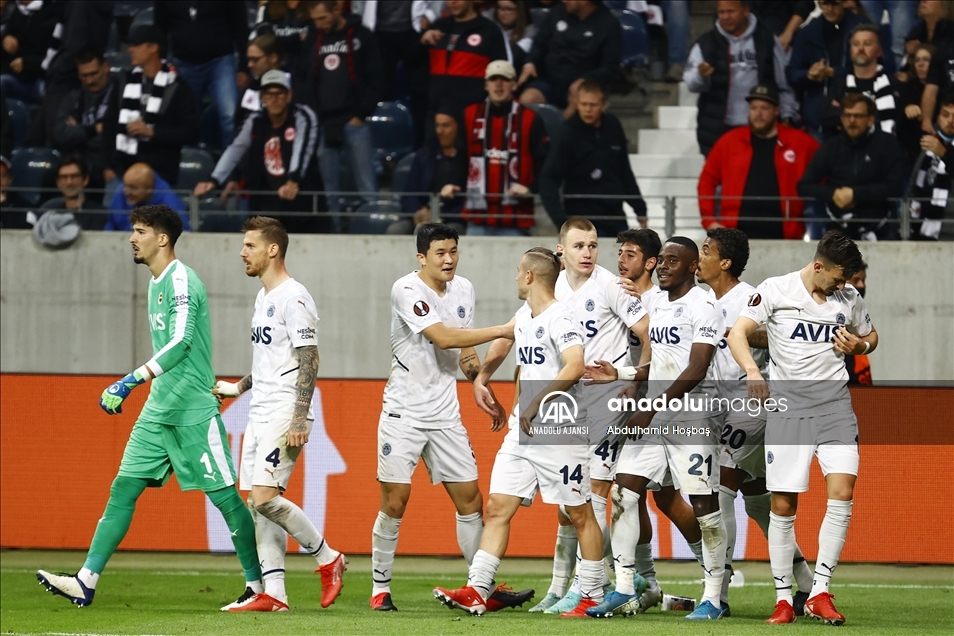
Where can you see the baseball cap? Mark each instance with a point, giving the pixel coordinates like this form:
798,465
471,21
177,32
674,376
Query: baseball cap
275,78
764,92
500,68
146,34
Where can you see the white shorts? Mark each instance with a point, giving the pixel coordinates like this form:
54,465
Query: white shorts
645,459
694,461
743,444
266,458
604,456
446,452
834,440
561,473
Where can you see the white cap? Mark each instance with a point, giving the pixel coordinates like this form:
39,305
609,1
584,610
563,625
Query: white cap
500,68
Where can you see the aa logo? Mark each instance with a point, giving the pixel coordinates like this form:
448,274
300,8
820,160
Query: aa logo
558,407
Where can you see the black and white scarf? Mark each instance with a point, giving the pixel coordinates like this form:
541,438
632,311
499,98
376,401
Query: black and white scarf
477,172
132,103
883,98
933,185
54,48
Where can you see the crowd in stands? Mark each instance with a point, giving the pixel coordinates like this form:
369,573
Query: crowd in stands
828,112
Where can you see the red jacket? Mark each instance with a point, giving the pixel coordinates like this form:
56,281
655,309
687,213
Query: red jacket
728,165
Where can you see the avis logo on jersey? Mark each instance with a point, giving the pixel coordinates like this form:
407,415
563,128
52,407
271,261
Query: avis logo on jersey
262,335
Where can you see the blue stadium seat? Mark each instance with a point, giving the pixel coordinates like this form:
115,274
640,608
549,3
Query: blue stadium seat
552,119
392,132
21,119
635,40
401,172
34,168
210,133
374,218
223,219
195,165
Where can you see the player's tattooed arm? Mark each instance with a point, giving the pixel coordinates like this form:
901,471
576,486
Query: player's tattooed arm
469,364
245,384
304,391
757,339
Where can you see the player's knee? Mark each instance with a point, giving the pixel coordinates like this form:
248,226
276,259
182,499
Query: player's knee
579,515
841,492
126,490
393,504
784,506
470,503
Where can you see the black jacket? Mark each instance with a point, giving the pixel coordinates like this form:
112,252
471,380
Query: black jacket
202,30
86,24
177,125
588,160
87,110
563,55
422,173
34,32
829,115
775,14
874,166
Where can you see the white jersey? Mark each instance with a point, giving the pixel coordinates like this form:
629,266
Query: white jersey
724,369
422,387
604,311
540,342
800,333
649,299
674,326
284,319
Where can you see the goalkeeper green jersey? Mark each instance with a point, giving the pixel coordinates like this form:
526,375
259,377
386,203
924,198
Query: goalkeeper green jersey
182,350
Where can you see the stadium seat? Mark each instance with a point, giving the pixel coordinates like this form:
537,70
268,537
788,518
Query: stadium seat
552,119
636,43
131,7
392,132
537,14
146,15
118,61
195,165
401,172
374,218
210,133
20,118
215,216
251,16
34,168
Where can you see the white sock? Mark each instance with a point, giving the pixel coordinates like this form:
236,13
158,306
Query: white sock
645,564
599,509
625,537
758,508
469,529
575,587
296,523
781,544
831,539
713,554
88,577
564,558
481,574
271,542
592,577
727,506
697,551
384,538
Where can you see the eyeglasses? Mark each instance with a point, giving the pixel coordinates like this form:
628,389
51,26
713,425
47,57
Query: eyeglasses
273,94
254,59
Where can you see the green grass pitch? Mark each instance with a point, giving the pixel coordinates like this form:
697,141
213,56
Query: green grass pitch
145,593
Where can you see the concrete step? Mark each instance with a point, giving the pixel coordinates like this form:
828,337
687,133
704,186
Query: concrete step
677,117
685,97
668,142
632,124
657,166
668,187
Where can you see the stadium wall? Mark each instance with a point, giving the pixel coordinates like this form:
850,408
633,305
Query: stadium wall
906,462
83,310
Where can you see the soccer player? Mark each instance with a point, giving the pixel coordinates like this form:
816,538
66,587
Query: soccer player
179,429
725,253
282,381
813,320
432,315
549,343
685,327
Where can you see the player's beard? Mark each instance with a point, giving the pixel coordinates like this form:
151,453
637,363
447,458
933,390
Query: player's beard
138,260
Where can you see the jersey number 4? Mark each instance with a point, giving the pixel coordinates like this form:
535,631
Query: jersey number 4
273,458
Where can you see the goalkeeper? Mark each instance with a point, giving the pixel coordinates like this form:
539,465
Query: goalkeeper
179,429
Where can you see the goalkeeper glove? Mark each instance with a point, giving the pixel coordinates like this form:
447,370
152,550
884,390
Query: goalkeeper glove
225,389
112,399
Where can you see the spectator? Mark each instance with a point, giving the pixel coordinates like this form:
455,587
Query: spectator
765,160
865,76
80,122
912,92
72,178
722,71
29,43
340,72
782,17
856,172
277,148
933,181
439,163
859,367
7,142
461,47
513,18
142,186
506,148
156,114
901,16
940,81
591,158
283,19
820,50
205,37
935,26
577,41
264,54
13,206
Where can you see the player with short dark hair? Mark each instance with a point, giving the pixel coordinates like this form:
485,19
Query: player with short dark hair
813,320
179,429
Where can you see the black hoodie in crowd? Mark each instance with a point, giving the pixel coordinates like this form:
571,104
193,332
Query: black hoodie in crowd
202,30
